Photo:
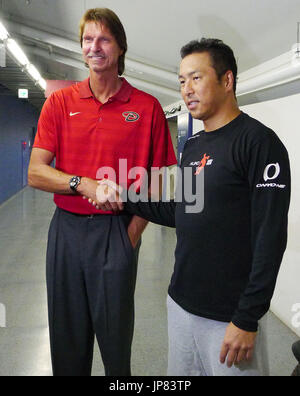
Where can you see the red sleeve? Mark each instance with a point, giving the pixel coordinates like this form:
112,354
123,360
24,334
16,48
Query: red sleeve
162,147
47,127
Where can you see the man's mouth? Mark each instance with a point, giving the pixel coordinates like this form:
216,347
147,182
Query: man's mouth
96,56
192,104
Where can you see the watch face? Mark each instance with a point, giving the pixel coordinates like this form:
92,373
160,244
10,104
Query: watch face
74,182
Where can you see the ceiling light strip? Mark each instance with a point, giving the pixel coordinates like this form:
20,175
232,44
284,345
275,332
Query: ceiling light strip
21,58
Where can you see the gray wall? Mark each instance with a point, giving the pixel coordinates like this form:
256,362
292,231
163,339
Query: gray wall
18,122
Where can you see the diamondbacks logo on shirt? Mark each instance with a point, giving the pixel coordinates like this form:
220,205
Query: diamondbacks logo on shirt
206,161
130,116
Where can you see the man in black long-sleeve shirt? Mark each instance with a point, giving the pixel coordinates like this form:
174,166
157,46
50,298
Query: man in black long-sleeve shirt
228,255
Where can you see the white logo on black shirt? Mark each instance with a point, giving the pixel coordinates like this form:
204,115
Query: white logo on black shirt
268,171
271,172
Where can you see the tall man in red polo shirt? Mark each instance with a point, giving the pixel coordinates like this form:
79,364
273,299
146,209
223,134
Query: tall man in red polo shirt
92,255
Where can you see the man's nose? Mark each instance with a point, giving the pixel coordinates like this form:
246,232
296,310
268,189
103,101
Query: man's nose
188,88
96,46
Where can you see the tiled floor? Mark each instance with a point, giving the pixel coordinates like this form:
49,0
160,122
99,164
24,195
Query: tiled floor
24,342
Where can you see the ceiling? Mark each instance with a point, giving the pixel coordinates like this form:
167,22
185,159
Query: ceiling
257,30
12,78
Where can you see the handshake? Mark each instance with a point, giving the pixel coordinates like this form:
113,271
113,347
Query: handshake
108,196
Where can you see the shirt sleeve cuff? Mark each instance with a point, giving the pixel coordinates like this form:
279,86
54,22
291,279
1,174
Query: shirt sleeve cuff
244,325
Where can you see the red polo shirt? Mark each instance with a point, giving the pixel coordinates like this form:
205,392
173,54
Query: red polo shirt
86,135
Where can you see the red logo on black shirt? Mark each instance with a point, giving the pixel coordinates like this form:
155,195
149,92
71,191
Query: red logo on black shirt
202,164
130,116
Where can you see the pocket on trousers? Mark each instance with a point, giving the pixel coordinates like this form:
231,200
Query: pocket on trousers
127,243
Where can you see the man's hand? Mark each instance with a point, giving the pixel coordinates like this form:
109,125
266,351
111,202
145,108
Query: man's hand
107,196
88,188
238,345
135,230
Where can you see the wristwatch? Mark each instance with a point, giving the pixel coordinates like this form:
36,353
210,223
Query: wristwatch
74,183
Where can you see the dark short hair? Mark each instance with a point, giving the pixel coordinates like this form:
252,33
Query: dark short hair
222,56
113,23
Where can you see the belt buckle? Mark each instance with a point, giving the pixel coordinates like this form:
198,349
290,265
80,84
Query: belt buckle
91,216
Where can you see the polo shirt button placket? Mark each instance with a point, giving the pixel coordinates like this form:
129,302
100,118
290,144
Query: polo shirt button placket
100,112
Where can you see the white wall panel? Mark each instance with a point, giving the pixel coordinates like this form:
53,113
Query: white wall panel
283,116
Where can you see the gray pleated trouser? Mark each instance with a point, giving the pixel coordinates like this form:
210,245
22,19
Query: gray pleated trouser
91,276
195,345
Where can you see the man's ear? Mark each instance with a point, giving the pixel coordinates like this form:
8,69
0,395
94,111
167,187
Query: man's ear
228,80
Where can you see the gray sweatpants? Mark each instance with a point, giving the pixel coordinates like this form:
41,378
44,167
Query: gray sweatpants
195,345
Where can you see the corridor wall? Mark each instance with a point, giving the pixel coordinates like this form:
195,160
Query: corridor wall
282,116
18,122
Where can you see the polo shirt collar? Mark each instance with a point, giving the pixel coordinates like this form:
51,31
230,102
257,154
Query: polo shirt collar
122,95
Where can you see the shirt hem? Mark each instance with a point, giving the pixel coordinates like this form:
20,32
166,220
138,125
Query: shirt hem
200,312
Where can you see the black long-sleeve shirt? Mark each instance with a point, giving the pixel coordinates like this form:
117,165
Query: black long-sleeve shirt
228,256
